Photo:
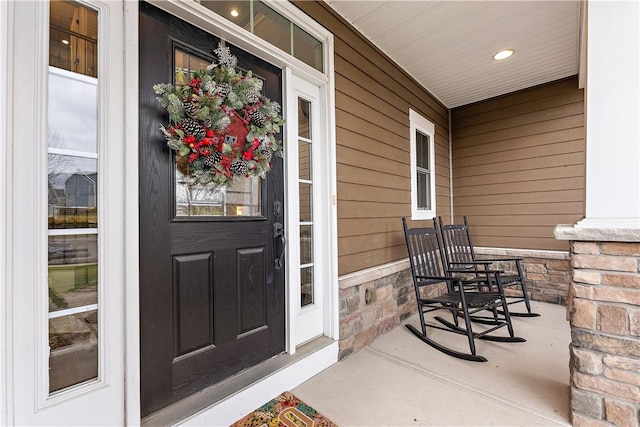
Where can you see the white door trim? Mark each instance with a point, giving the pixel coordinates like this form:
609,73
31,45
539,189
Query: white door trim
132,213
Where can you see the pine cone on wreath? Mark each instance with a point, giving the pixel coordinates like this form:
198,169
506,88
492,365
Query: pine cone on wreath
224,89
213,159
238,167
265,151
191,108
192,127
258,119
253,97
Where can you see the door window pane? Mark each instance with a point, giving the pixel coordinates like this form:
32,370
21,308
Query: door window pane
73,195
242,198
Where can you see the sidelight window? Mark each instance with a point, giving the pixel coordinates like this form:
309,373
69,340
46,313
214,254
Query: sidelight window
73,195
305,185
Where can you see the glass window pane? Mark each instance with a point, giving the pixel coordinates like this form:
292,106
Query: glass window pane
187,63
307,48
242,198
304,121
304,160
422,150
73,38
306,286
73,111
306,244
306,211
424,187
73,271
73,341
237,12
271,26
73,192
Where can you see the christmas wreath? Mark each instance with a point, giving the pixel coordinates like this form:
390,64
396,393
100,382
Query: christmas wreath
220,125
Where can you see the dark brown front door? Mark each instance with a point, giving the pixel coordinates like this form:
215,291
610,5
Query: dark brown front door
211,298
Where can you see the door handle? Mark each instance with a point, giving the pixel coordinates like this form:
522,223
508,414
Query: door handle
278,234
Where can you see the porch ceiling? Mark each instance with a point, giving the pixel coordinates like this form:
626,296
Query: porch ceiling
447,46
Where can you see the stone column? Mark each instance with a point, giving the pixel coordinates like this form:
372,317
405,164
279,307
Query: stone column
604,296
604,313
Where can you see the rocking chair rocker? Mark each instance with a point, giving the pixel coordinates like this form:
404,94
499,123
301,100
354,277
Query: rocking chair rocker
462,299
460,257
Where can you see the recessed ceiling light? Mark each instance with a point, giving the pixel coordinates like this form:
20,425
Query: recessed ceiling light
234,13
503,54
65,41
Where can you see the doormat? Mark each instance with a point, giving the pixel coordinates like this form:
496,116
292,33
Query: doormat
285,410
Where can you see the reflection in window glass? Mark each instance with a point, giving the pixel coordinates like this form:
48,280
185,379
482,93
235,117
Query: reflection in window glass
238,12
269,25
73,111
73,38
73,271
306,246
242,198
307,48
304,162
306,286
306,211
73,341
73,192
72,195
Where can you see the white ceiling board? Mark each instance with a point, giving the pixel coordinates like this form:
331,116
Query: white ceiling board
447,45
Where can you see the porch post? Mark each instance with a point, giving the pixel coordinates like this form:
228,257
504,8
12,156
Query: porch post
604,297
613,112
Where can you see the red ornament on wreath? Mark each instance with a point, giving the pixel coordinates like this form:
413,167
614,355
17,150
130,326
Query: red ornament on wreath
236,133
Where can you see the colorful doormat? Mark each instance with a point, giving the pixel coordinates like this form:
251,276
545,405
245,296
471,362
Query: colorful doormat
285,410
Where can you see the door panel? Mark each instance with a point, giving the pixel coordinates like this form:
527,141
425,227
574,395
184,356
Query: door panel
211,301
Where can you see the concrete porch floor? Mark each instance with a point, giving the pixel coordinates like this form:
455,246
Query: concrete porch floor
400,381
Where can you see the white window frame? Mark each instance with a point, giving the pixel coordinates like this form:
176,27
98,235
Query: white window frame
417,123
26,193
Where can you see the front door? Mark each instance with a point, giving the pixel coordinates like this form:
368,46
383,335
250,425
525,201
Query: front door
211,296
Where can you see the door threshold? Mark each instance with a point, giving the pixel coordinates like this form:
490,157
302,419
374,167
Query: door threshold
229,400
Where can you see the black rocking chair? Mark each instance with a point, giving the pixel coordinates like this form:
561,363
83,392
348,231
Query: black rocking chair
463,299
460,257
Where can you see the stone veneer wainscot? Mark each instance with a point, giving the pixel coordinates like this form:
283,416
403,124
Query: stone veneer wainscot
604,311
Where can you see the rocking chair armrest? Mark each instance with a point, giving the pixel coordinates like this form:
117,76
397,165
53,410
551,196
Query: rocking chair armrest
479,262
461,270
443,278
516,259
